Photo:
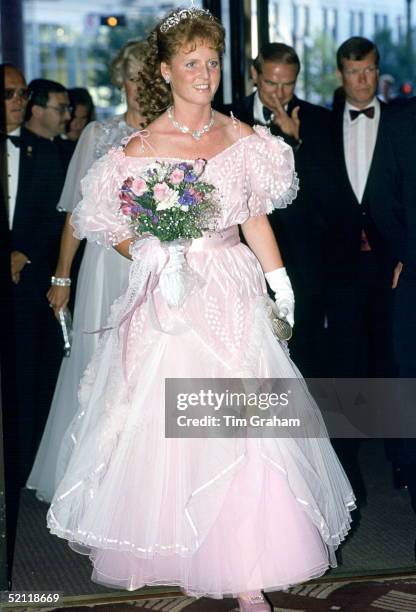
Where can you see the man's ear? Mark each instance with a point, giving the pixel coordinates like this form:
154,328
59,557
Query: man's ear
37,111
339,75
254,74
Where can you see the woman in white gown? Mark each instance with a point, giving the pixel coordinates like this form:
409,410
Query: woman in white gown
217,516
102,277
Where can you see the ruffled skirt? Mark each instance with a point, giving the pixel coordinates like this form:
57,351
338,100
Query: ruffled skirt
214,516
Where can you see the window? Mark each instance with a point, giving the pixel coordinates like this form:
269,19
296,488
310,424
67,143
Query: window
361,23
352,23
295,31
325,19
65,41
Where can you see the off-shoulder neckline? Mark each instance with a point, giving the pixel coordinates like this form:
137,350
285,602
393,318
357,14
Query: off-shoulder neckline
189,159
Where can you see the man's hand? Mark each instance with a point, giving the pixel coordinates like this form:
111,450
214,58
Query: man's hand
396,274
18,261
289,124
58,297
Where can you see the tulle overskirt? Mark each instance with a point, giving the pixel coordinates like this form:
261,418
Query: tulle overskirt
215,516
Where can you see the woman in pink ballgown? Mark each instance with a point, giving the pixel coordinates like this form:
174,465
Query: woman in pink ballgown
217,517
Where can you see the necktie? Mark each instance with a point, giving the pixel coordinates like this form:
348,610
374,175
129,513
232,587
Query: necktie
267,114
14,140
368,112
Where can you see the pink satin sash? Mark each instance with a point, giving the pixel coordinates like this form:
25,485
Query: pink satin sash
210,242
224,239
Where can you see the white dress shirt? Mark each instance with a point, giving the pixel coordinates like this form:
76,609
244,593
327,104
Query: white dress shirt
13,158
258,114
360,138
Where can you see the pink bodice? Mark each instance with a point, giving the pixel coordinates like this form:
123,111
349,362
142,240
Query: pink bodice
253,176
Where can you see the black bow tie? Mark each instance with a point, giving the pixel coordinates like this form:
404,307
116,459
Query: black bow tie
368,112
14,140
267,114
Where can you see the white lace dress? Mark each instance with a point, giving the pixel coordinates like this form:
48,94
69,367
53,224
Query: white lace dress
102,278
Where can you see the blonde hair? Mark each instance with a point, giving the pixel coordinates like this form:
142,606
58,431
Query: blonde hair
128,62
154,95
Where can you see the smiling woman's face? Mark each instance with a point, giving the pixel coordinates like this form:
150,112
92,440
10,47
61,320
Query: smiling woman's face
194,73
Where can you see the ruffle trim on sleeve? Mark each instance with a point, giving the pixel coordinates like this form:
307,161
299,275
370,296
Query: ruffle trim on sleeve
273,182
97,217
287,198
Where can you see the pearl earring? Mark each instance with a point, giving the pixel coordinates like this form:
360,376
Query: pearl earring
167,79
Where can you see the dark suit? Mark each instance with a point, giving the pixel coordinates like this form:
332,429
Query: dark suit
298,229
360,299
359,294
36,232
396,220
7,372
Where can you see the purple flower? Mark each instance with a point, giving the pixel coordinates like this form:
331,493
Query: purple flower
187,198
190,178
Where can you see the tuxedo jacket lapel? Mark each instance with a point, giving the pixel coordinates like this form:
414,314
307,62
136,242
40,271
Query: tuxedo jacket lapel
26,168
377,151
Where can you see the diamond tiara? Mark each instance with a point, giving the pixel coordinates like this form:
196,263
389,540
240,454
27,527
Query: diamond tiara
178,16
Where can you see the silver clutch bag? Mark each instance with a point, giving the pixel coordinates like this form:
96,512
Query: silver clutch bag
281,328
65,320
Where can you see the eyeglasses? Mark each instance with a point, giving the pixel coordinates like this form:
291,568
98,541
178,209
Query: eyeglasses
353,72
61,109
9,94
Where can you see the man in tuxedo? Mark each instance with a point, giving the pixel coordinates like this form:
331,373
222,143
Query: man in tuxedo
37,165
298,228
358,258
14,97
396,220
359,261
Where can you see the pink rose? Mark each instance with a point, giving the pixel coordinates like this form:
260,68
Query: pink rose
177,176
199,165
125,209
161,191
139,186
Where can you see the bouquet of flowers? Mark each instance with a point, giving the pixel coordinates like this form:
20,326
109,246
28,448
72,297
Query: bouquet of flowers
172,203
169,201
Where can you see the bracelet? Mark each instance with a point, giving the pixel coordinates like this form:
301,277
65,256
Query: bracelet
57,281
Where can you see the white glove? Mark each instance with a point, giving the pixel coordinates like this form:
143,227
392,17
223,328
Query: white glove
279,282
173,281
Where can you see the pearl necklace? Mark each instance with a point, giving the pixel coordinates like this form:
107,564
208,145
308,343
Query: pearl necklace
186,130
